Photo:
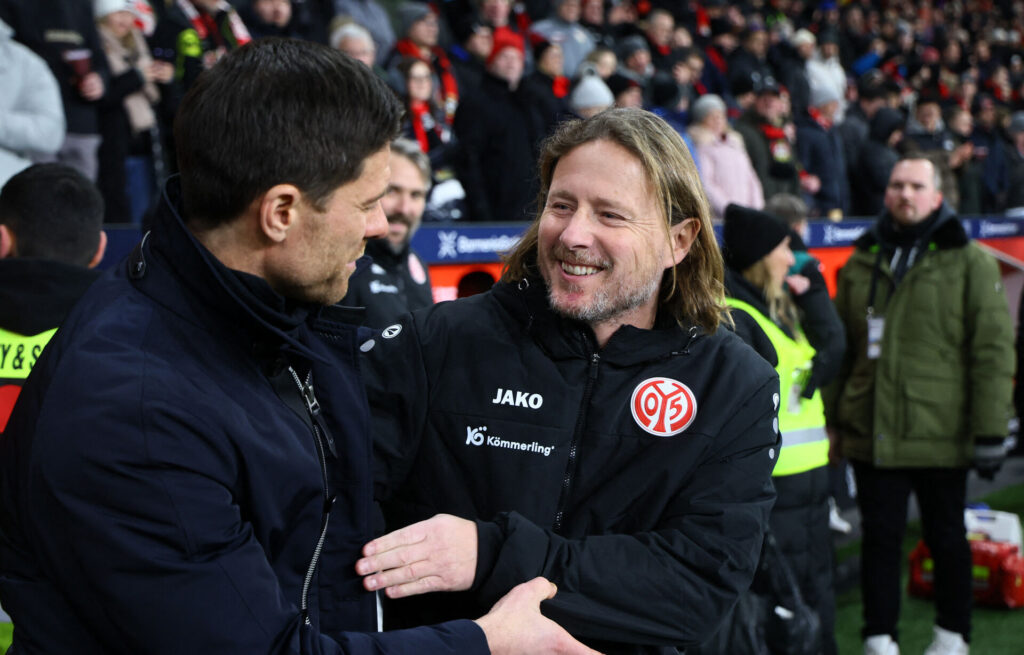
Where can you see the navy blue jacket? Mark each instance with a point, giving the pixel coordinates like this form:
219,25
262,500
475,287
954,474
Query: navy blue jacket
164,488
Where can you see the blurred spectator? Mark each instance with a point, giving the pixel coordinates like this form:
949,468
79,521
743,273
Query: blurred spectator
590,96
794,56
769,147
1015,157
750,60
131,154
355,41
564,29
371,15
604,61
418,31
498,130
722,159
925,128
658,31
51,220
546,85
281,18
869,175
626,90
856,122
636,57
824,69
425,123
473,42
966,170
990,153
821,153
397,281
31,112
717,53
195,34
63,33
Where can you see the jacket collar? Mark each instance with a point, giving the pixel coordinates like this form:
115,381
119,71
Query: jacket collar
946,232
565,338
36,294
170,257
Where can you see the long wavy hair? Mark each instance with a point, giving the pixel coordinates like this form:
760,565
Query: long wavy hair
781,308
691,291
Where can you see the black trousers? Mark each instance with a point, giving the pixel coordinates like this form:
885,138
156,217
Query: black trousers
882,496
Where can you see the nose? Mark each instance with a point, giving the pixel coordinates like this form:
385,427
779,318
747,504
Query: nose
577,232
376,222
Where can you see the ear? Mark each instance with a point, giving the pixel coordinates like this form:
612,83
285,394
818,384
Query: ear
681,238
938,200
6,242
101,248
278,211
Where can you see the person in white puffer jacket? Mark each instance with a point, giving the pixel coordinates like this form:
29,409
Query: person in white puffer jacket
31,112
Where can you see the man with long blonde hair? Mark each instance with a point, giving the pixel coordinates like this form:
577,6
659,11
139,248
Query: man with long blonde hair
587,418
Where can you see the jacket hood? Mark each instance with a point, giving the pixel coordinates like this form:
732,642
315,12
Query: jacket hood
561,337
945,232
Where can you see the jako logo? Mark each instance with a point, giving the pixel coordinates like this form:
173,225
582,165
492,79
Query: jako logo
662,406
518,398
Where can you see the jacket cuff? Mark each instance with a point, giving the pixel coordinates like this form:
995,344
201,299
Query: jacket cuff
489,536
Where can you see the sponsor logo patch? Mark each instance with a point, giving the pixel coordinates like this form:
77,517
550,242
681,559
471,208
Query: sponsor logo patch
662,406
391,331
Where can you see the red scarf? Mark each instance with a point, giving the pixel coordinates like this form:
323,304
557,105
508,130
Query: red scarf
771,132
560,87
442,68
825,123
417,109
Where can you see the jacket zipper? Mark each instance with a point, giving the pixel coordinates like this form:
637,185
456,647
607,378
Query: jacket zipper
313,407
574,444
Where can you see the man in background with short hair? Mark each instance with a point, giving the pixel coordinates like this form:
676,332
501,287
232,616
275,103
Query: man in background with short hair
396,281
51,240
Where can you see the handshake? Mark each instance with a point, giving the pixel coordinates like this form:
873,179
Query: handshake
440,554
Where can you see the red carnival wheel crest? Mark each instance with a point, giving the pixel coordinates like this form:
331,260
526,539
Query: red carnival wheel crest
663,406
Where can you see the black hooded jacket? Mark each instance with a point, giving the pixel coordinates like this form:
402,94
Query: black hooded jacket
582,464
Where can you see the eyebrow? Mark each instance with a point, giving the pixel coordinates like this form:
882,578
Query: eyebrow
377,197
599,201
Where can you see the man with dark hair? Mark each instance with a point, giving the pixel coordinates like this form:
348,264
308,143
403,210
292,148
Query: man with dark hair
924,393
588,418
51,238
396,281
172,481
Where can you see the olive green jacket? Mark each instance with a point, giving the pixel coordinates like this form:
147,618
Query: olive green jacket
945,374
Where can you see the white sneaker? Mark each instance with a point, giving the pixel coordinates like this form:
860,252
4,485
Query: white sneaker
947,643
881,645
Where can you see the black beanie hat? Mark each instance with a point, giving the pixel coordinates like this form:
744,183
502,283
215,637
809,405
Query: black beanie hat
749,235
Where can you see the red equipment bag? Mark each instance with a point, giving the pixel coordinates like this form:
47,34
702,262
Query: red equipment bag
998,573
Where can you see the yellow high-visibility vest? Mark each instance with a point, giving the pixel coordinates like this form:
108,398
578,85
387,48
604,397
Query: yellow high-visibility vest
801,420
18,354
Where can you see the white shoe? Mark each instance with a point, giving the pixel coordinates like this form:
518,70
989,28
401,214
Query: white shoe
881,645
947,643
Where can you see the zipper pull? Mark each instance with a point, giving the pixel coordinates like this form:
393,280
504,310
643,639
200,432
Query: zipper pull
312,404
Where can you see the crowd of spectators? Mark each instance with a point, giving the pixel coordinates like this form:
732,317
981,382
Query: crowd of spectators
820,97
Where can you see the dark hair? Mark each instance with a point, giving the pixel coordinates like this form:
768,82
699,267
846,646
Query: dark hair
54,212
278,111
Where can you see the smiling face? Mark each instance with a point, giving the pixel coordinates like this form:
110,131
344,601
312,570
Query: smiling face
405,201
318,255
602,245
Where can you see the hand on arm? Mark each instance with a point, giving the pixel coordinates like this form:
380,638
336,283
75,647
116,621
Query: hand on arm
438,554
515,624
